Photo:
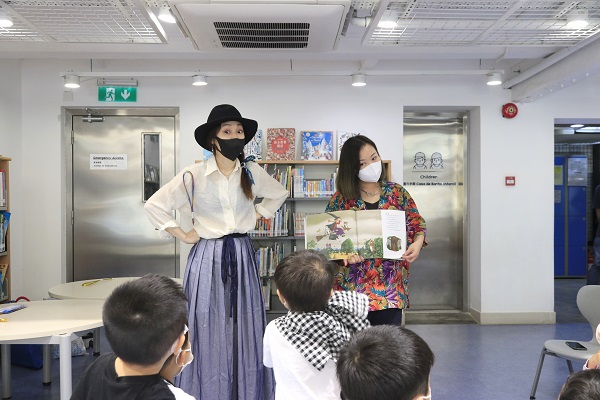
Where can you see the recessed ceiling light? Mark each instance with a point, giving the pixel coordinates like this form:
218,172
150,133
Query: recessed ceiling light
5,20
578,19
577,126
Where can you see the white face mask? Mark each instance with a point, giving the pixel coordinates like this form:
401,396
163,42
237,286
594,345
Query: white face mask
371,172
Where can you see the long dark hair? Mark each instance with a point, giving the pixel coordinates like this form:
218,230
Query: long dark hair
245,181
347,181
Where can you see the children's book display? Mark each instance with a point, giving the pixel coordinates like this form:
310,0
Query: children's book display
254,146
317,145
4,218
281,144
369,233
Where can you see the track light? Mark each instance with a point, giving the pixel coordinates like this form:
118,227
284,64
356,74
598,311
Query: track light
359,80
578,19
72,81
199,80
165,15
494,78
5,20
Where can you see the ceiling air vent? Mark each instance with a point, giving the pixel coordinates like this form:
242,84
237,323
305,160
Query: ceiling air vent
262,24
256,35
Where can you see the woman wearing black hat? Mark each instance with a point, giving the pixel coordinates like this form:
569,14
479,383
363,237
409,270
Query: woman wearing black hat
222,283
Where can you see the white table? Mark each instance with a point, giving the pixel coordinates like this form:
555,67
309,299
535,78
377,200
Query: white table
91,289
48,322
99,289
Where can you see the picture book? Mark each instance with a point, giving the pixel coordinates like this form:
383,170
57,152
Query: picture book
3,271
281,144
317,145
254,146
369,233
342,136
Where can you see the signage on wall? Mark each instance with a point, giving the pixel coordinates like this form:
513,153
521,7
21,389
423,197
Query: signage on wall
108,161
117,94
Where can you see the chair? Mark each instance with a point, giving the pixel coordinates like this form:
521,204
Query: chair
588,300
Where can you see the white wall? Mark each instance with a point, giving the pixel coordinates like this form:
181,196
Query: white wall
511,228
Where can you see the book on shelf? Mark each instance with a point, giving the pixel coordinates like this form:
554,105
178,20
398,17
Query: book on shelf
254,146
317,145
272,227
267,294
268,258
369,233
302,187
3,271
281,144
342,136
3,194
4,219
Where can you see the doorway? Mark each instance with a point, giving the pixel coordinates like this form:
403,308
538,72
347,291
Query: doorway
434,175
117,158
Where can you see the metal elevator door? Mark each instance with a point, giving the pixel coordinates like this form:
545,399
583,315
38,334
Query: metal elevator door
116,165
434,175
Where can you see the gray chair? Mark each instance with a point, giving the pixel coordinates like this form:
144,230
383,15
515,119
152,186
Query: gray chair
588,302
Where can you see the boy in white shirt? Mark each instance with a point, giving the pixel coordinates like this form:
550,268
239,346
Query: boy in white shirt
302,347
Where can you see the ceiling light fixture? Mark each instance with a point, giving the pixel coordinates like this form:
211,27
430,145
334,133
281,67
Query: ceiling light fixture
359,80
494,78
578,19
117,82
5,20
389,20
199,80
165,15
72,81
577,126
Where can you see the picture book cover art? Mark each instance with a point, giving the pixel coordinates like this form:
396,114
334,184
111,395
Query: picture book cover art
254,146
342,136
281,144
369,233
317,145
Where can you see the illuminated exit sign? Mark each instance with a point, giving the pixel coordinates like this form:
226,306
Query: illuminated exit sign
117,94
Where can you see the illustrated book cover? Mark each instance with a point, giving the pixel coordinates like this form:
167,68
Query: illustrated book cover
281,144
317,145
342,136
369,233
254,146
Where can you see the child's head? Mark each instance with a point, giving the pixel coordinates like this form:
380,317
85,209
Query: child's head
402,375
582,385
304,280
144,318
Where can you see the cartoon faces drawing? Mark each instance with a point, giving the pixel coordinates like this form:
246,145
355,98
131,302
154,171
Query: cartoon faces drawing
420,161
436,161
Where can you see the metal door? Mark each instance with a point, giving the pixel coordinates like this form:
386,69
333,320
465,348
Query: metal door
117,162
434,158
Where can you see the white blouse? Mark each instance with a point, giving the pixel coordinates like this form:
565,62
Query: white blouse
220,206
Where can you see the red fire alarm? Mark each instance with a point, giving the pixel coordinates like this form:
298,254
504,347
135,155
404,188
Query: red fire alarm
509,110
510,181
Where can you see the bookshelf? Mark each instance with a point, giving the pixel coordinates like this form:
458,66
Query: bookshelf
4,231
309,193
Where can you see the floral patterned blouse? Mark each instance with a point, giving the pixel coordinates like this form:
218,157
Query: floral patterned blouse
384,281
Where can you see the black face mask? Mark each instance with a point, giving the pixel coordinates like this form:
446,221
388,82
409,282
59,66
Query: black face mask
231,148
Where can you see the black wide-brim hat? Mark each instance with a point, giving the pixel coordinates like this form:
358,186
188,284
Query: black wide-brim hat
218,115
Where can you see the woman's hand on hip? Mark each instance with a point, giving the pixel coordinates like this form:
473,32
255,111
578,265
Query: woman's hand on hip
191,237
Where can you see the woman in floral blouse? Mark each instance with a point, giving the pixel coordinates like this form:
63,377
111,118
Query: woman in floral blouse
361,185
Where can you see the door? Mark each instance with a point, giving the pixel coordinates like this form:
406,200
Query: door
118,162
434,154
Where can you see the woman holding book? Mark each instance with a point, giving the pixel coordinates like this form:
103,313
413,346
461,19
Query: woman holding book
361,185
226,309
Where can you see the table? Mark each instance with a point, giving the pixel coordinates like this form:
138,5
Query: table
99,289
48,322
91,289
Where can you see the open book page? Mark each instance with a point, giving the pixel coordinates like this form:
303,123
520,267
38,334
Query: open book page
370,233
332,233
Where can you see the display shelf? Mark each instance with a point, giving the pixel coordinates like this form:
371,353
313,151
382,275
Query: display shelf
5,265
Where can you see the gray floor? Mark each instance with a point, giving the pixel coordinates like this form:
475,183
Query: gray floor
473,362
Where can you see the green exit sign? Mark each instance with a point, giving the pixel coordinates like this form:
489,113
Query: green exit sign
117,94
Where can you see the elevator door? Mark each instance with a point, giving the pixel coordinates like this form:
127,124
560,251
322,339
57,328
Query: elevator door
116,165
434,155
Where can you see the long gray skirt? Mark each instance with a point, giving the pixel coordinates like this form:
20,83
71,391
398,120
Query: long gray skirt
211,376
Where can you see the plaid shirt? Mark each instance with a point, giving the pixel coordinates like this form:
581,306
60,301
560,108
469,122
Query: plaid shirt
320,335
